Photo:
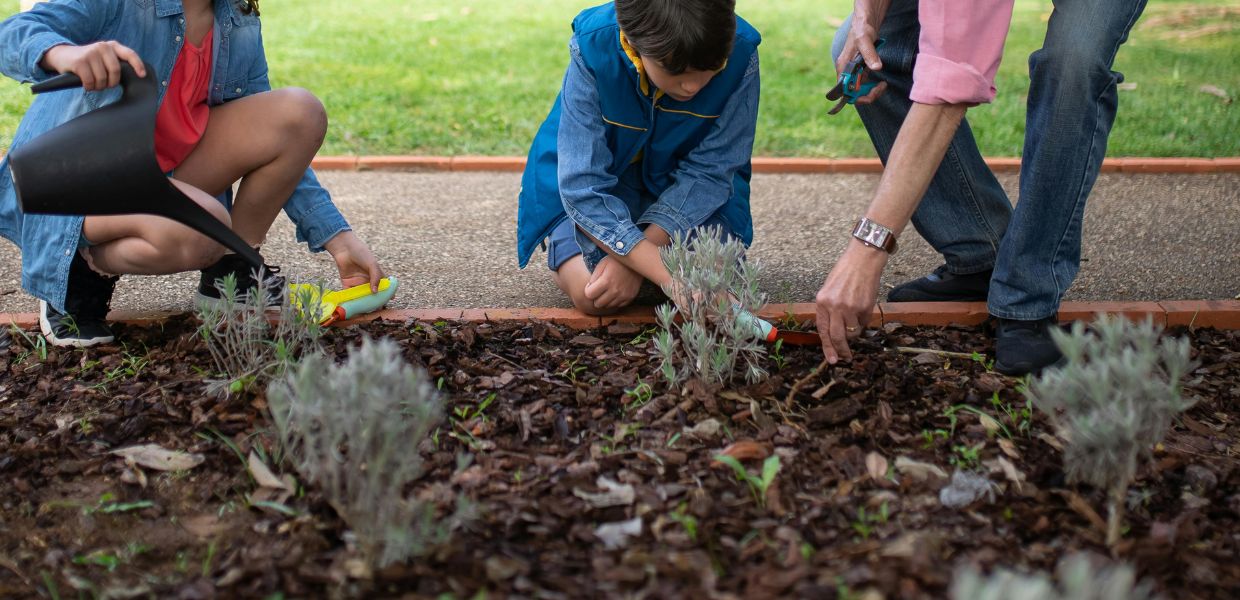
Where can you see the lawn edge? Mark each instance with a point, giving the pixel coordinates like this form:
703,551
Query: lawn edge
760,164
1218,314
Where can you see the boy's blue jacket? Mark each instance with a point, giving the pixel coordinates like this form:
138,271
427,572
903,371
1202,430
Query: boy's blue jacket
694,155
155,29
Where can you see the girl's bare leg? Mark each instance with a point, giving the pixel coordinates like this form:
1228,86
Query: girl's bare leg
266,141
150,245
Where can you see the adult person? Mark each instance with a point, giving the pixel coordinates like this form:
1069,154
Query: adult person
1020,262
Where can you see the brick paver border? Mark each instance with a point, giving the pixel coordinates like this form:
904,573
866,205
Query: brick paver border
1219,314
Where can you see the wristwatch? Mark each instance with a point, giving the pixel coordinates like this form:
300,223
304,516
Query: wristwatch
874,235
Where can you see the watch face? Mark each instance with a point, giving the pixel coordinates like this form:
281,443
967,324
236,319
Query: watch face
872,233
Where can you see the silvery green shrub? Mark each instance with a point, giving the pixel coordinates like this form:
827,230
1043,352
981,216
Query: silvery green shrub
245,345
353,430
711,283
1078,580
1113,401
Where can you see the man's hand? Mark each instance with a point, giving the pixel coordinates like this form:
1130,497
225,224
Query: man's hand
613,285
867,17
357,264
98,65
846,300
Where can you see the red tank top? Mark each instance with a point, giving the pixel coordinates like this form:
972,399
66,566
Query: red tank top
182,117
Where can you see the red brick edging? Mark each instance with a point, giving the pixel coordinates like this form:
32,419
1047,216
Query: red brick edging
1220,314
760,164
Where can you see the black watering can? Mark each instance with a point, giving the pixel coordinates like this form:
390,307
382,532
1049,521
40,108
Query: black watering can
103,163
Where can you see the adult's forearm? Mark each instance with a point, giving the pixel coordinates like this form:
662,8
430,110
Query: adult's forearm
918,150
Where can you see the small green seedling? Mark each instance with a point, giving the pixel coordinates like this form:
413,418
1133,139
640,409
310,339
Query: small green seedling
967,457
757,485
777,355
638,396
866,522
686,520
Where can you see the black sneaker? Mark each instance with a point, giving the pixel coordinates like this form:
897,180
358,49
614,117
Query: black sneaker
943,286
84,321
1026,347
212,279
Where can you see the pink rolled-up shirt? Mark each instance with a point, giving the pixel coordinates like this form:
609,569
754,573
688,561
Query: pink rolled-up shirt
960,48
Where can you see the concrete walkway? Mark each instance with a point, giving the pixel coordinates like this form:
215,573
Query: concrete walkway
450,238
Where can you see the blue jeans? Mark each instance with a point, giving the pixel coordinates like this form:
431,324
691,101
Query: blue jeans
1035,250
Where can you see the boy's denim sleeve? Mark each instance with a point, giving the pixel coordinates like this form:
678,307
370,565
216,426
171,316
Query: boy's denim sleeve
310,207
27,36
703,180
581,145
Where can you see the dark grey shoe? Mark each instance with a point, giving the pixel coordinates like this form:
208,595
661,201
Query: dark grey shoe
1025,347
943,286
212,278
84,320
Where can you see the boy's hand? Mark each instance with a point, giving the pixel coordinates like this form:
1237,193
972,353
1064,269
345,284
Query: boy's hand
867,17
356,262
613,285
98,65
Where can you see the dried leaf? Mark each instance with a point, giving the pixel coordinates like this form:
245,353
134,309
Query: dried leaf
1051,441
919,471
744,450
989,423
876,466
616,535
1214,90
263,475
1009,448
615,494
1011,472
704,430
203,526
152,456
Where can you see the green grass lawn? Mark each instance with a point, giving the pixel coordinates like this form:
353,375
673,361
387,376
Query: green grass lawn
477,76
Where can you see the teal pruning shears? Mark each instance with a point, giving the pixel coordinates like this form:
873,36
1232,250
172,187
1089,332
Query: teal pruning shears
770,334
855,82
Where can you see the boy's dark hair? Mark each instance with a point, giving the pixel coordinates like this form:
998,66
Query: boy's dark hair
248,6
680,34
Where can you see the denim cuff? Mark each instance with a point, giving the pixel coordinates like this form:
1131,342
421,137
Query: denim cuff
670,220
320,224
36,47
937,80
619,236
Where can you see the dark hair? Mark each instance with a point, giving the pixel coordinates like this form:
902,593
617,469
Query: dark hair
680,34
249,7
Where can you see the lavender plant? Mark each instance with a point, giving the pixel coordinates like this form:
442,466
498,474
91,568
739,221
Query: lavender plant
249,345
713,287
1113,401
1078,579
353,430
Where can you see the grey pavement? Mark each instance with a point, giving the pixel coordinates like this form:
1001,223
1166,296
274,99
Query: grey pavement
450,237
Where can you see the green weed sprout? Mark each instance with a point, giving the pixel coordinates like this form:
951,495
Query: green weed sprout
1078,579
1112,402
757,485
353,430
712,284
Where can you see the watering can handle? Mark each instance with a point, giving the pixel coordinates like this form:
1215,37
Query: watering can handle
68,81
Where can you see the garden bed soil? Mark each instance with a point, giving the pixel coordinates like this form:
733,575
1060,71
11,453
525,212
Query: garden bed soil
854,509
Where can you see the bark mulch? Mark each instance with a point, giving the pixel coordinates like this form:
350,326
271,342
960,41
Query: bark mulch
563,438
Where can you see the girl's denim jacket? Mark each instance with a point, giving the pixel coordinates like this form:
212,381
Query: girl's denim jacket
155,29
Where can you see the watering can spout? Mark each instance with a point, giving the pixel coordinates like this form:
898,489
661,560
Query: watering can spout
103,163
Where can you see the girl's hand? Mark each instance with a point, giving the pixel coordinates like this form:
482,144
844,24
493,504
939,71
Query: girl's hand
356,262
98,64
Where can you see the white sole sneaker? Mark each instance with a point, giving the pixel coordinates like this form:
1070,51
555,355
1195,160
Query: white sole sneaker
45,328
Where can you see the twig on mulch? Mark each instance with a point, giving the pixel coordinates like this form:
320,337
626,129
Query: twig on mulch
906,350
796,387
